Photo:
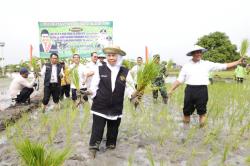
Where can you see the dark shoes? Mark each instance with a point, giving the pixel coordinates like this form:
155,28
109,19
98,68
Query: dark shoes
110,147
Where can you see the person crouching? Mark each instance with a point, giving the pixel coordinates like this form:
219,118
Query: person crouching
21,88
107,91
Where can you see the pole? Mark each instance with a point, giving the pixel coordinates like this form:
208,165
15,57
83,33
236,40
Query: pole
146,54
2,44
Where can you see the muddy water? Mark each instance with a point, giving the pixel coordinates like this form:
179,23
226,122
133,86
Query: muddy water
184,145
5,100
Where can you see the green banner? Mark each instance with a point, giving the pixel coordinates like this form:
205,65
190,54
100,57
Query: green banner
66,38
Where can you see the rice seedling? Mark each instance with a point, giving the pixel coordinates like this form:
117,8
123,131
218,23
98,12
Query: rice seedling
225,152
35,154
248,159
130,160
74,77
150,156
54,127
146,75
244,47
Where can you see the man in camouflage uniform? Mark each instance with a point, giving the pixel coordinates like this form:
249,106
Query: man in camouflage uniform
159,84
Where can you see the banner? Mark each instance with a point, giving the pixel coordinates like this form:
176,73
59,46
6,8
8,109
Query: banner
67,38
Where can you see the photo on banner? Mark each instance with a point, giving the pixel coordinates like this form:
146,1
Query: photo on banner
65,38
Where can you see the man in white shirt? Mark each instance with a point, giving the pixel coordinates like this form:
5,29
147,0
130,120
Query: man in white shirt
52,73
196,75
136,68
91,68
82,78
20,87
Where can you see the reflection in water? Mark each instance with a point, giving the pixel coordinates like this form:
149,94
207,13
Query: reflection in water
5,99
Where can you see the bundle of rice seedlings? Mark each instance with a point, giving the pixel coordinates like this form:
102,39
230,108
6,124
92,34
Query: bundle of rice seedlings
244,47
146,75
73,50
74,77
128,64
35,64
35,154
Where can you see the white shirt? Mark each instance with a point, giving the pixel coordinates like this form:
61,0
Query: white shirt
135,70
53,77
114,72
81,73
17,85
197,73
91,67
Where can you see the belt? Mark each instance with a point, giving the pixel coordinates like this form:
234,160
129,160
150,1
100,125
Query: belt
196,86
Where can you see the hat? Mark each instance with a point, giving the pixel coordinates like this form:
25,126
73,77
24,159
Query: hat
24,71
156,56
101,56
196,48
114,50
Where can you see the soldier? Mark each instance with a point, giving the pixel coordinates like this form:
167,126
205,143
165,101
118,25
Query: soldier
159,83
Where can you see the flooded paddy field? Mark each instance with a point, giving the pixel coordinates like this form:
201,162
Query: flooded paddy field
152,134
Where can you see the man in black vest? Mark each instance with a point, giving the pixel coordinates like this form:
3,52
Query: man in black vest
52,73
107,91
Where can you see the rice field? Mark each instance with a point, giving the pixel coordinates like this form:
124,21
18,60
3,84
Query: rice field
153,134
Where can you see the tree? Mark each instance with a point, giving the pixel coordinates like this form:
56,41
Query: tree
220,48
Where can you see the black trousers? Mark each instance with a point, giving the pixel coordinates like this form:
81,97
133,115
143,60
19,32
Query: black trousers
239,79
196,97
24,95
65,90
53,89
98,129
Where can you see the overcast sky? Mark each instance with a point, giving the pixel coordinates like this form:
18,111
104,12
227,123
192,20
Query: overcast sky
167,27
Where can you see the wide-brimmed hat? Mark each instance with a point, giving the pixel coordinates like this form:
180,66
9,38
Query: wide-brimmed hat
114,50
196,48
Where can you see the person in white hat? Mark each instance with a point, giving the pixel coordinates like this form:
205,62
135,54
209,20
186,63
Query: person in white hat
107,91
101,59
195,74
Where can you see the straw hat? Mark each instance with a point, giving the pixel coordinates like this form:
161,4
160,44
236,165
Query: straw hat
196,48
114,50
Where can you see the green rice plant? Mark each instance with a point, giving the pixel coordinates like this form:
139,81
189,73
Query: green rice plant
35,64
150,156
146,75
74,77
213,134
128,63
225,152
73,50
53,130
85,119
248,159
130,160
244,47
35,154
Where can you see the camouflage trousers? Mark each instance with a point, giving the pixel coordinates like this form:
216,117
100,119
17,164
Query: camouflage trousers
162,89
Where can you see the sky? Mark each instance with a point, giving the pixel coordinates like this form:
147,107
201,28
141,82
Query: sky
167,27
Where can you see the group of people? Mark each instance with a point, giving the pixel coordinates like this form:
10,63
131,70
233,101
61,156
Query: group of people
105,83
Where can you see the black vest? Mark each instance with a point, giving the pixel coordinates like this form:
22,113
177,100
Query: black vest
48,74
108,102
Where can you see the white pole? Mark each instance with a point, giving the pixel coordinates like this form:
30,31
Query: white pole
2,44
